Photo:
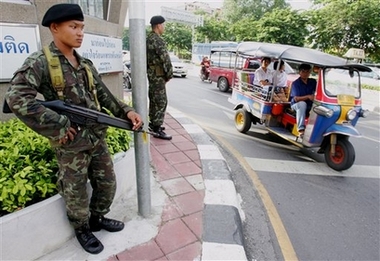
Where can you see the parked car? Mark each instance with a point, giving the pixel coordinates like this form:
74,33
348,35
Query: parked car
179,67
371,78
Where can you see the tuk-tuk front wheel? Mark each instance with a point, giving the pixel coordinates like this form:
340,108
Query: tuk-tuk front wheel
242,120
344,156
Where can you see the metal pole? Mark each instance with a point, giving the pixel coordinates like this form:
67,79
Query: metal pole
137,38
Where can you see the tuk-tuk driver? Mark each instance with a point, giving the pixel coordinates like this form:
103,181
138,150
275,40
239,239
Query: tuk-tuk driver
302,95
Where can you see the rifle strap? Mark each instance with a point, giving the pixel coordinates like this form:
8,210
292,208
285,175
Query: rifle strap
56,76
55,71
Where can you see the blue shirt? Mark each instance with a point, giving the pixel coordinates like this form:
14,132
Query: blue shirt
299,88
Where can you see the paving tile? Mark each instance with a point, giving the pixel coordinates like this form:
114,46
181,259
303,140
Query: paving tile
189,252
176,186
198,162
195,223
112,258
146,251
180,138
192,154
188,137
170,211
187,168
164,169
176,157
190,202
174,235
166,148
185,145
196,181
182,131
174,125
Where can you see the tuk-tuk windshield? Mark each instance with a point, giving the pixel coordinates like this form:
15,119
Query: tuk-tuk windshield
341,81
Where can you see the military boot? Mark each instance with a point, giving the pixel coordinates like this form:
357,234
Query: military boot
88,241
159,133
100,222
151,127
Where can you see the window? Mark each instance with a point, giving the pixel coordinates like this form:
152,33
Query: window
97,8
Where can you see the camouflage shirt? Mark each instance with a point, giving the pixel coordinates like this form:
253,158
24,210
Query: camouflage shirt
33,77
158,59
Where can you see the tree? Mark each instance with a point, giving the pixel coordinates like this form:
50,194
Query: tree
342,24
125,39
213,29
283,26
178,38
235,10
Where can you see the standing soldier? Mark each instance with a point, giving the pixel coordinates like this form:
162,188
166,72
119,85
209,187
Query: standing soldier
160,71
81,150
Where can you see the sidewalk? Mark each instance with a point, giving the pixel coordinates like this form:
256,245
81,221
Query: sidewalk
200,218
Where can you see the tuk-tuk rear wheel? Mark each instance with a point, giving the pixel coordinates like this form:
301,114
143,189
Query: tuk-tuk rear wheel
242,120
344,156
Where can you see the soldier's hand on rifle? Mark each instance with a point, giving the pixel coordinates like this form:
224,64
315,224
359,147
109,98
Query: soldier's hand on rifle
135,119
70,135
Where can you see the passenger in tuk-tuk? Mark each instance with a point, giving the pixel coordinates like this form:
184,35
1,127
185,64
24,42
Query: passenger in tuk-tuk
263,75
302,95
279,77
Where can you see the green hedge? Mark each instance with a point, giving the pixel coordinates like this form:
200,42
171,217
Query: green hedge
28,167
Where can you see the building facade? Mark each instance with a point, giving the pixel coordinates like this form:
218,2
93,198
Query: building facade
21,33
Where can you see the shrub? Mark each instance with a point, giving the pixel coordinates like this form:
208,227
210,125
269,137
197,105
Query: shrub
28,167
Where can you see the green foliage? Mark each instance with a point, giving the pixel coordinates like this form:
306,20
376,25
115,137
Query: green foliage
235,10
333,27
28,167
125,39
342,24
214,29
177,37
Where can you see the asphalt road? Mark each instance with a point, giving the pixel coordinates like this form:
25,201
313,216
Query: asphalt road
295,207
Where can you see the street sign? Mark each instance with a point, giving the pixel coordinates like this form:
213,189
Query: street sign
181,16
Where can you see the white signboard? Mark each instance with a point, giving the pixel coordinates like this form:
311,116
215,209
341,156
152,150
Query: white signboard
181,16
105,52
17,42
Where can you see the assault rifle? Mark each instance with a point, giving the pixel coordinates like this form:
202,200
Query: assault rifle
83,116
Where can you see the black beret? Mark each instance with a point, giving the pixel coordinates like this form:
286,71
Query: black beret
61,13
157,19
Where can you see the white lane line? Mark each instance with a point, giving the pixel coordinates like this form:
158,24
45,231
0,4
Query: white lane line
217,105
311,168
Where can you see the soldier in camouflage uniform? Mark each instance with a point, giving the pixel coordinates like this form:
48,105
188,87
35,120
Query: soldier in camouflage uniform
160,71
81,150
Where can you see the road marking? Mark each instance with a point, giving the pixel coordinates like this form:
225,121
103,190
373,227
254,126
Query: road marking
214,104
284,242
311,168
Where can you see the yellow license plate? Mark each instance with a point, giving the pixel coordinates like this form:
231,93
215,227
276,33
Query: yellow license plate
346,100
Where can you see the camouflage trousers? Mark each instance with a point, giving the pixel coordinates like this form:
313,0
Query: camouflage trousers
75,168
158,101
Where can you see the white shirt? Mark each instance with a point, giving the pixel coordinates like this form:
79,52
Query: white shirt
260,75
280,78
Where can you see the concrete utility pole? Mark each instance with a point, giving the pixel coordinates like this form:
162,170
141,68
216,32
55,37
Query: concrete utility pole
137,39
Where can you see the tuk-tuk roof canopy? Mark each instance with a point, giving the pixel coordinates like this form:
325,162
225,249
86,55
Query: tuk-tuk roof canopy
296,54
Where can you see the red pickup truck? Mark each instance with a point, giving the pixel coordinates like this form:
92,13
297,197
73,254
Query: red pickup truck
225,63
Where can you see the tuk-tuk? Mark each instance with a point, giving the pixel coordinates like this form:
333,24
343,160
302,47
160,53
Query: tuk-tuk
335,110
